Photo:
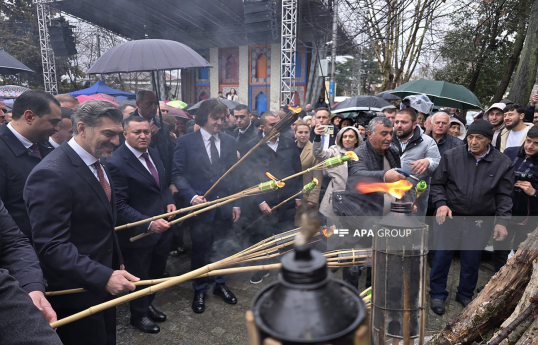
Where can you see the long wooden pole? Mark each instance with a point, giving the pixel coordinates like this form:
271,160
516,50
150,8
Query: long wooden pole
272,209
190,215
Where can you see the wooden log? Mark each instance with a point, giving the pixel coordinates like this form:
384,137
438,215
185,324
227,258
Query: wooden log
496,302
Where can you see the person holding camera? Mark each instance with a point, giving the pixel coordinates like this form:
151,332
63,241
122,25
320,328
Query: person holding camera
524,198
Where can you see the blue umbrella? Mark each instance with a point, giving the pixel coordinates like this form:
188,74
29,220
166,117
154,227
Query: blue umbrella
100,87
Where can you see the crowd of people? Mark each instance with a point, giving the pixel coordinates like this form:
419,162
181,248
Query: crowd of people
70,173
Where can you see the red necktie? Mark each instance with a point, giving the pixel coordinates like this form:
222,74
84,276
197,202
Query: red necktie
35,150
102,180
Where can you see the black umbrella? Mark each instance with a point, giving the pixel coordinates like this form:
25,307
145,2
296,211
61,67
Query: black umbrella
10,65
147,55
361,103
387,96
230,104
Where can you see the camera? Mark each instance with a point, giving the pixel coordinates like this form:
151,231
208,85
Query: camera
521,176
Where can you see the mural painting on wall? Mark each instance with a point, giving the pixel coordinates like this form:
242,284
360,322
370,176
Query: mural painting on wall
229,66
202,75
260,65
202,93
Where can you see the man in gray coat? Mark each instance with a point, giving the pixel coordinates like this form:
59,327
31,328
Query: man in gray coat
419,154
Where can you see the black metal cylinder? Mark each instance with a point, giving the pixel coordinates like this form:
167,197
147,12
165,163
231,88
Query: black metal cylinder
306,305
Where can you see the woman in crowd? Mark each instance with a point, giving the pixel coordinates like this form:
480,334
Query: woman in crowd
362,130
233,95
310,199
171,121
421,118
457,129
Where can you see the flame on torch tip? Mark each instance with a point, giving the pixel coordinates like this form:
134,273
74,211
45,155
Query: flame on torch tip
396,189
271,176
296,110
315,180
352,155
280,184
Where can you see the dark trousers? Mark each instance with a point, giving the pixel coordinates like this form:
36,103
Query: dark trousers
22,322
146,263
519,233
96,329
208,246
460,233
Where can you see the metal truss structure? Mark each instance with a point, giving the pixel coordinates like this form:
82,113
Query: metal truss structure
287,52
356,75
47,54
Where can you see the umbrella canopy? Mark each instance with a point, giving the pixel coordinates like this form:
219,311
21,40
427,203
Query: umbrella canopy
84,98
147,55
179,113
387,96
230,104
176,104
364,103
12,91
441,93
10,65
100,87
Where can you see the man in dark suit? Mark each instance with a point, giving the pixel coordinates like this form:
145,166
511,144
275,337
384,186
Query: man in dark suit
141,192
200,159
23,143
21,283
72,208
245,130
281,158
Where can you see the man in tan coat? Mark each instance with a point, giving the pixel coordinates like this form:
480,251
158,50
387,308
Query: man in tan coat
515,130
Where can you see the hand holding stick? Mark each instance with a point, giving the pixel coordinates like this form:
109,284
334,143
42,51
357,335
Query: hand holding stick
420,188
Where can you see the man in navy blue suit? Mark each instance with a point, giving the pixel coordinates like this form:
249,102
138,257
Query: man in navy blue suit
141,193
23,143
200,158
72,209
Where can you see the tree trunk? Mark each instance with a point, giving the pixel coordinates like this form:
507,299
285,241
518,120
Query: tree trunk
496,302
526,70
516,51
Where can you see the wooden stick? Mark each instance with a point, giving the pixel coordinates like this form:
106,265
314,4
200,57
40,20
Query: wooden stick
158,281
190,215
315,167
272,209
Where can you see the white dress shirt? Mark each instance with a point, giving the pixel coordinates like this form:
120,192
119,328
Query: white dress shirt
138,154
207,143
53,143
27,143
274,146
87,158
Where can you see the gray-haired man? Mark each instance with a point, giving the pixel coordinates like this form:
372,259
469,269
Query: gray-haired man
72,209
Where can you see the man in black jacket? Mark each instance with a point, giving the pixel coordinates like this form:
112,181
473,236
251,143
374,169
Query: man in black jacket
21,283
245,130
474,183
281,158
23,143
141,191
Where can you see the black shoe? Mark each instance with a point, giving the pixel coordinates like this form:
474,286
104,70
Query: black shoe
258,277
146,325
155,314
198,303
465,302
437,305
480,288
223,292
165,274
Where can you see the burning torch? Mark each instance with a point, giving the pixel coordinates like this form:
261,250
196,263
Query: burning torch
420,188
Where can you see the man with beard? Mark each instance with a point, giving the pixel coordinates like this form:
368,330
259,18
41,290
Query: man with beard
245,130
495,116
72,209
419,154
513,135
23,143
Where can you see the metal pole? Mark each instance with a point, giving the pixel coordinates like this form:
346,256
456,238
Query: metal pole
98,46
333,53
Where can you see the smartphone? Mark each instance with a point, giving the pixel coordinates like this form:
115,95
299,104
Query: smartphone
328,129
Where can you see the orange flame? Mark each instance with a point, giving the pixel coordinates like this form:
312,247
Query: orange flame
295,110
329,232
396,189
280,184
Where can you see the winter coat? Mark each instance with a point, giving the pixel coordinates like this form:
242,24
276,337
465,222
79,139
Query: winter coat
338,175
420,146
308,160
471,188
463,130
448,142
496,142
369,168
504,137
524,204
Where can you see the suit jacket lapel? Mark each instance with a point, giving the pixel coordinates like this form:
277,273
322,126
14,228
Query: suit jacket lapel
137,165
84,171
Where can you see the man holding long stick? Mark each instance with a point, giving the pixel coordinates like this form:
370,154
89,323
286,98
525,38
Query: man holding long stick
200,158
72,209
